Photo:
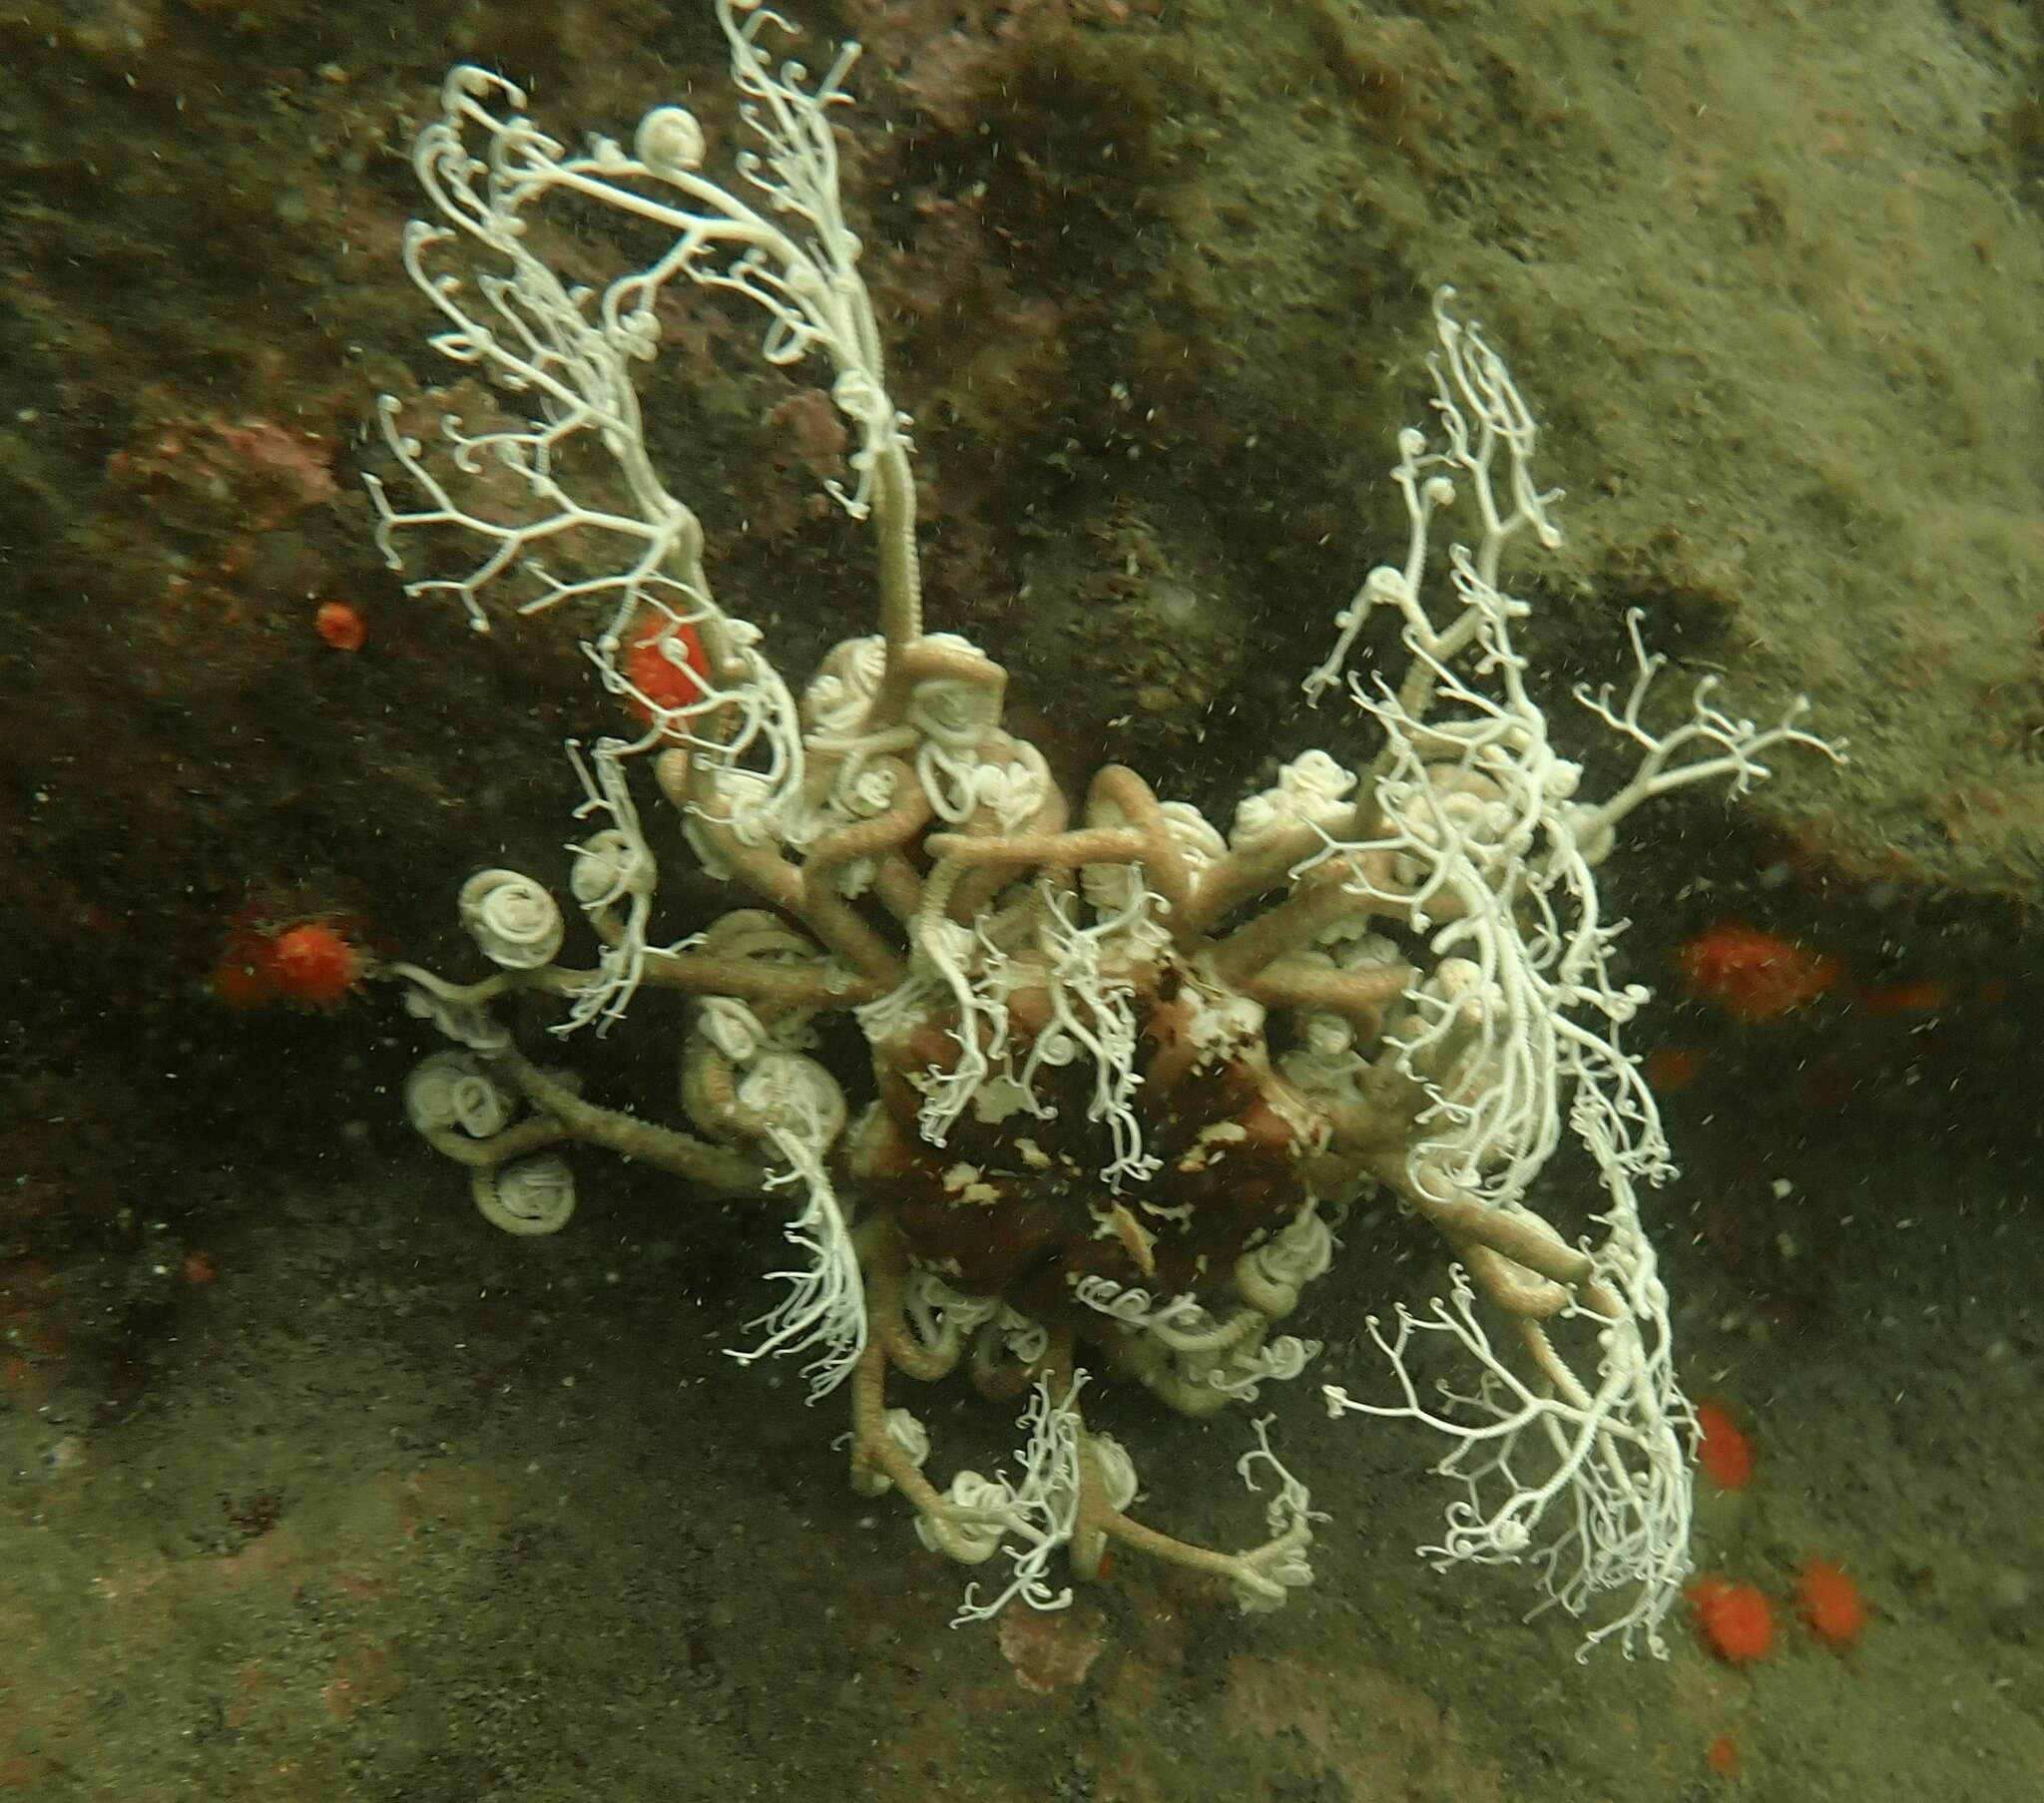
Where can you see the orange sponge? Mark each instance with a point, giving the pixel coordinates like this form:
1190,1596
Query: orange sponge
1737,1624
1830,1603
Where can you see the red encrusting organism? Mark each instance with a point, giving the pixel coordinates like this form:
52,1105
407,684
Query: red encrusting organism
664,663
1913,995
340,626
314,964
1752,975
311,963
1830,1604
1738,1626
242,976
1723,1451
1669,1068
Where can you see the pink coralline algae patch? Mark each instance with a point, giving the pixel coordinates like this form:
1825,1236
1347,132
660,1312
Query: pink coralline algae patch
268,472
816,430
1049,1650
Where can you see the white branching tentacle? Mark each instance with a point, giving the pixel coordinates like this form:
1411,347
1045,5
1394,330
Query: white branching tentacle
1091,1012
1032,1515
